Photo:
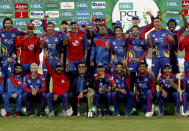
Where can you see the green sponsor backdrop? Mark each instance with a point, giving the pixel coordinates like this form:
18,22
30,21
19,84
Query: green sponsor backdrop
170,9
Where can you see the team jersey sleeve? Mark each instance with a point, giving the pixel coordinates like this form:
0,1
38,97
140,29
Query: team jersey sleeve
43,86
145,49
49,68
85,43
26,85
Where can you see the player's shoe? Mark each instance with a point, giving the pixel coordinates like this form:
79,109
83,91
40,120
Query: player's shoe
18,114
99,113
51,114
148,114
186,113
8,115
90,114
116,114
64,113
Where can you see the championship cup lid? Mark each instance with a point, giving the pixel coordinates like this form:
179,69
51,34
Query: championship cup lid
30,25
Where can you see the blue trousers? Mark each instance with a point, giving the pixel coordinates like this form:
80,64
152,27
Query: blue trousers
129,98
170,96
185,96
28,97
99,96
63,97
74,64
186,67
7,96
159,63
147,97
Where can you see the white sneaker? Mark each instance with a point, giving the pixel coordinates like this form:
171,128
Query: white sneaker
90,114
78,113
51,114
185,113
64,113
148,114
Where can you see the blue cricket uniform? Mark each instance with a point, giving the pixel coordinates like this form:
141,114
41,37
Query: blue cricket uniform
171,93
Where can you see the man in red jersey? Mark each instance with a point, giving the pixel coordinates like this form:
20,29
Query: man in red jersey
77,45
184,44
29,44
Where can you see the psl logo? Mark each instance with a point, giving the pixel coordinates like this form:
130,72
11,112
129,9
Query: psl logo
75,43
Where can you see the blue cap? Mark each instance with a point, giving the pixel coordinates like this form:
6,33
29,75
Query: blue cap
135,17
90,24
167,65
119,23
100,65
73,22
98,19
59,65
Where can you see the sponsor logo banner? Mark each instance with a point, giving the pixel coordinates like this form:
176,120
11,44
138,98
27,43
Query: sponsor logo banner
186,12
185,3
36,14
82,5
99,13
37,22
39,31
67,14
98,5
21,23
55,21
172,12
21,14
83,13
124,10
126,6
52,5
21,6
67,5
5,14
81,21
4,6
52,14
173,4
36,6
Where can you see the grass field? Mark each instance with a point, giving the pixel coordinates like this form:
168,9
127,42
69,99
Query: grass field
133,123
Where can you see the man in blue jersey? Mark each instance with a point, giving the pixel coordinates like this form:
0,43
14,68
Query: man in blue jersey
145,89
138,51
118,48
122,89
14,91
100,48
103,86
34,89
52,42
8,38
159,40
168,83
174,52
